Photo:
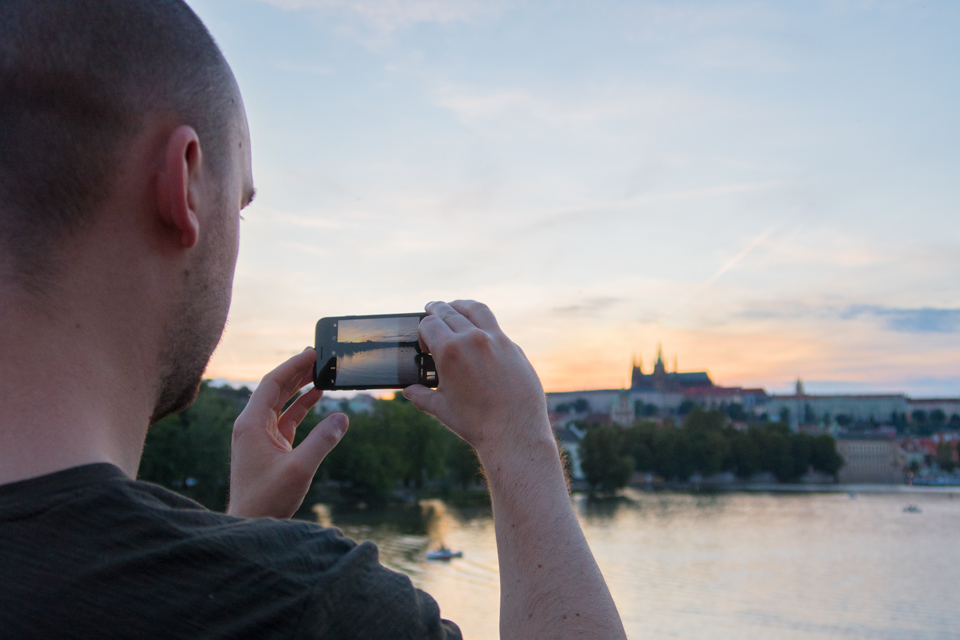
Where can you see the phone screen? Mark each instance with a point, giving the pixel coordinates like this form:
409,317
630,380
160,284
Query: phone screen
371,352
377,351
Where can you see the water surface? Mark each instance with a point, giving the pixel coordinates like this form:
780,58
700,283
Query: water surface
716,566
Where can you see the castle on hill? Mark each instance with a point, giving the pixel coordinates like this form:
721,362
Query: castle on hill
665,382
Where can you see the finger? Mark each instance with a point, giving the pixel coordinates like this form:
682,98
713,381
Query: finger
279,385
321,441
478,313
433,333
424,399
450,316
295,413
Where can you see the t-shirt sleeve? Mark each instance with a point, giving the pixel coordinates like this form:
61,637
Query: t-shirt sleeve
360,598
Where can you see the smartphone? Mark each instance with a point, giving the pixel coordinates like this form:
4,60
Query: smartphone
372,352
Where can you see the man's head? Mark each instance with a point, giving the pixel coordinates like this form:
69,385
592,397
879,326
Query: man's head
129,106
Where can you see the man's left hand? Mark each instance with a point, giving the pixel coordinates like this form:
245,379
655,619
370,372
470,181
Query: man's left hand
268,476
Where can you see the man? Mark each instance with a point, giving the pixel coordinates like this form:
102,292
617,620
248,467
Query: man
124,164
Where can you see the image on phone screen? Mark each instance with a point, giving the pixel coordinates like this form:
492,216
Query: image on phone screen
368,352
377,351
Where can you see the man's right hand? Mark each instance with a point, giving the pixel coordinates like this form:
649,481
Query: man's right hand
489,393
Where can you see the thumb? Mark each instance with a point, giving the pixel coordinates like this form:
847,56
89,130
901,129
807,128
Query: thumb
321,441
424,399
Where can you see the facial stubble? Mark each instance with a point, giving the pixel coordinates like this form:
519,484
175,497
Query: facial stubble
195,325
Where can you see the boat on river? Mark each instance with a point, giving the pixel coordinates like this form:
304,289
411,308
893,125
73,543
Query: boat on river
444,554
912,508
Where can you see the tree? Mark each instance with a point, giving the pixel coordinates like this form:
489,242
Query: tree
603,460
824,456
708,445
638,443
938,418
189,452
645,410
945,456
736,412
686,407
745,457
394,443
462,463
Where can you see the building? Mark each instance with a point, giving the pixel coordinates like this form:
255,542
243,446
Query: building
665,382
927,410
653,395
607,402
801,408
869,459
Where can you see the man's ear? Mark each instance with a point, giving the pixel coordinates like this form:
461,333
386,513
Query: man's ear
178,185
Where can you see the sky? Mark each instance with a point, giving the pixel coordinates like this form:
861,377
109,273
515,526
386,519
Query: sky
770,190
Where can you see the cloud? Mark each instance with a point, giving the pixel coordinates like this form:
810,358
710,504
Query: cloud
472,104
390,15
589,306
923,320
899,320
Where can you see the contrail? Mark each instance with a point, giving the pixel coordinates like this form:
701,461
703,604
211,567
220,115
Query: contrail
729,264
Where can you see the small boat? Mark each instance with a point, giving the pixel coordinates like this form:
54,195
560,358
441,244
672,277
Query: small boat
912,508
443,554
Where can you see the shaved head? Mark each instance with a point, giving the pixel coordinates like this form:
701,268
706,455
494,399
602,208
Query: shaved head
79,79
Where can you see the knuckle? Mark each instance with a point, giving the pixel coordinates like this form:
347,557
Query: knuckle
329,438
479,340
301,471
453,349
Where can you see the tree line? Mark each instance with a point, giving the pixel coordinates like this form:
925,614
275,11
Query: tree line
706,444
395,446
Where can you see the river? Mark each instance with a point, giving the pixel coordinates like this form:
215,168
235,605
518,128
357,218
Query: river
728,565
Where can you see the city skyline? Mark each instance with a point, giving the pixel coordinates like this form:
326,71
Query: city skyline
767,189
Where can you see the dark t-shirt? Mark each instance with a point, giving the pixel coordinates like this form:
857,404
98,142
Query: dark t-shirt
89,553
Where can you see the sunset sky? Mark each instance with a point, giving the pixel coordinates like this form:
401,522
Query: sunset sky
768,189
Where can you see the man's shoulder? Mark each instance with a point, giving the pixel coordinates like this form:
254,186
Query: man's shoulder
98,507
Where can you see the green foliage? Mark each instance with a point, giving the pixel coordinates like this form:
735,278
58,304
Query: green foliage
945,457
736,412
686,407
938,418
603,460
189,452
462,463
397,445
708,444
580,405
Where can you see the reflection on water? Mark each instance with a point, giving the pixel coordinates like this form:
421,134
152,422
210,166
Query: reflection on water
393,365
715,566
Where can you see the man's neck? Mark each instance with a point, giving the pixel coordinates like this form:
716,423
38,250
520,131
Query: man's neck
66,393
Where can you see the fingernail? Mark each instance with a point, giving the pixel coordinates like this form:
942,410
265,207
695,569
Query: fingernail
340,423
306,349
